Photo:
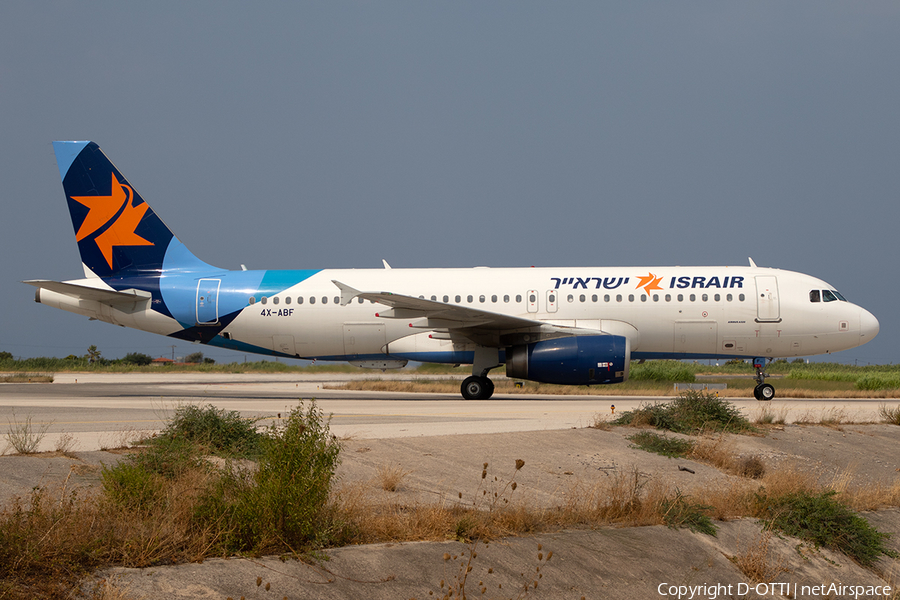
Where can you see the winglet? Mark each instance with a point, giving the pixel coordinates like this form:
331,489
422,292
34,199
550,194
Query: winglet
347,293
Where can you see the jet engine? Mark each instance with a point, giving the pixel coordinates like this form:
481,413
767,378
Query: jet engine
576,360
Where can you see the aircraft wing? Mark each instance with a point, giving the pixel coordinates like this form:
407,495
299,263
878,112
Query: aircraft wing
481,326
84,292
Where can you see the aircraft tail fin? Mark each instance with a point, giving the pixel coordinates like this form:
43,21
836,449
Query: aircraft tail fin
117,232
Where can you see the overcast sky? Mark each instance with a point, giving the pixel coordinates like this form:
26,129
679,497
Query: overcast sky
436,134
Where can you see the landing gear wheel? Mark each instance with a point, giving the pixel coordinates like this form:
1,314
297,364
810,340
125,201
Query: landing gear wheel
764,392
477,388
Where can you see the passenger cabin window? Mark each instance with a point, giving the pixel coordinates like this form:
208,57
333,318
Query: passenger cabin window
275,300
312,299
494,298
506,298
300,299
469,298
814,296
324,299
287,300
264,300
337,299
446,299
458,298
742,297
518,297
252,300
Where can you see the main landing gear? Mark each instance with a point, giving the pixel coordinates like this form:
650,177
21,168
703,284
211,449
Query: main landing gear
763,391
478,386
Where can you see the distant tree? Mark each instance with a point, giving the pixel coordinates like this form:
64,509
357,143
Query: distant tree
208,361
71,357
136,358
6,355
194,357
93,355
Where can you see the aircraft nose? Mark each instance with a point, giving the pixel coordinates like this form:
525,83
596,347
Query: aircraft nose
868,325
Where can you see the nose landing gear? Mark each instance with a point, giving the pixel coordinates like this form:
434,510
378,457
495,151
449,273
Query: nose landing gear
763,391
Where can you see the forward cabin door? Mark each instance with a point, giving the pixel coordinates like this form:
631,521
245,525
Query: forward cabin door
767,305
208,301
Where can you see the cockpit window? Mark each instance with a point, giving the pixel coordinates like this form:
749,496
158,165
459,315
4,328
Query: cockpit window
814,296
838,294
828,296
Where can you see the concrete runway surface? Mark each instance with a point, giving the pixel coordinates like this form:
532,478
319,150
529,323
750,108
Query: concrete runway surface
109,410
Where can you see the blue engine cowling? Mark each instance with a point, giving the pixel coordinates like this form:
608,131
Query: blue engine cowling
577,360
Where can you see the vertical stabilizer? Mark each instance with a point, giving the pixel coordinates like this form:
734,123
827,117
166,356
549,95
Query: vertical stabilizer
118,234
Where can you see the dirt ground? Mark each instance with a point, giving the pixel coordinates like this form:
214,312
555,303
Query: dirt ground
608,562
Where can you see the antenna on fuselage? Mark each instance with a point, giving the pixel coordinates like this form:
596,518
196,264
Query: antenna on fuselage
752,264
386,265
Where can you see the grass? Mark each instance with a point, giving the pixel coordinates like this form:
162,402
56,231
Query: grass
26,378
659,444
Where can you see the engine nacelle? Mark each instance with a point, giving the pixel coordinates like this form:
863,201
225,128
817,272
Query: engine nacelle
576,360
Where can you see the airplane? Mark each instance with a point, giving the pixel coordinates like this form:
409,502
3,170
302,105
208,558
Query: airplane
570,325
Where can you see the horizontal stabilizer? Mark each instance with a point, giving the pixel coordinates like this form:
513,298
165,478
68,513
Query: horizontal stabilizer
84,292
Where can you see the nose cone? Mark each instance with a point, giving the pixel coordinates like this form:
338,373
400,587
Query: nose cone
868,326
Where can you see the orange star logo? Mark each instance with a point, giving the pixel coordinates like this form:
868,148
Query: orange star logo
103,210
649,282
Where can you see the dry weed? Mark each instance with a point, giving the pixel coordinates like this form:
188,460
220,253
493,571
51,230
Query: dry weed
390,477
789,478
106,589
66,444
755,561
120,440
718,451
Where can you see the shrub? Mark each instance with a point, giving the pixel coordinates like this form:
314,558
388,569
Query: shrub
283,502
690,412
136,358
822,520
221,432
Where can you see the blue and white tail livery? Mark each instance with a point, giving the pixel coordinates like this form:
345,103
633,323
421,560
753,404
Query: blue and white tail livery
564,325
